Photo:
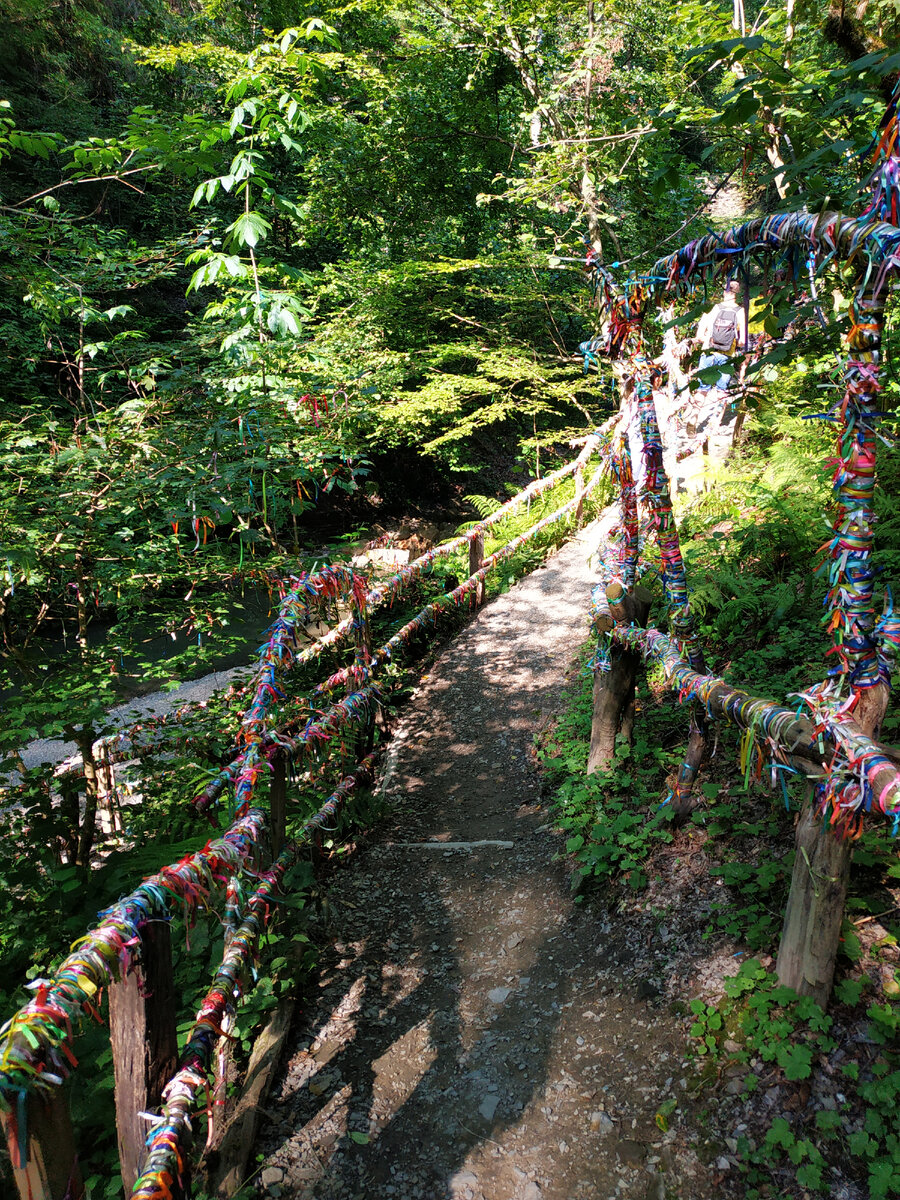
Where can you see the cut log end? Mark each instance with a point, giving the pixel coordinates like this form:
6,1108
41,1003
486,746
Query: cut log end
615,592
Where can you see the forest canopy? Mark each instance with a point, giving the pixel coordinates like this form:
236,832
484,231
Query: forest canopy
269,268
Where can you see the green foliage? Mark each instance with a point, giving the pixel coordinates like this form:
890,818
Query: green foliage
768,1021
770,1024
613,818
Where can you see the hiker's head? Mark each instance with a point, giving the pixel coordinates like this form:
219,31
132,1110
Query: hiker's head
732,290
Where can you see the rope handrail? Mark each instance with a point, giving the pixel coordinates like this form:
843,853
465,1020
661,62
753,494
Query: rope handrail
864,645
34,1043
170,1134
246,774
784,732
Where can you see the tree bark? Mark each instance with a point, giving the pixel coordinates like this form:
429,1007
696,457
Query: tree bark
85,738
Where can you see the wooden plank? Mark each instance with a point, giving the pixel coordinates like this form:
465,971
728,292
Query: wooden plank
229,1161
50,1170
144,1043
497,844
476,562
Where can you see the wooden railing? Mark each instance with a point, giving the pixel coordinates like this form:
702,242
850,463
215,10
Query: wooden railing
836,739
129,954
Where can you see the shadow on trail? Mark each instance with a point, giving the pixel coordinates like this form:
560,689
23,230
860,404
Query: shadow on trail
441,1037
427,1041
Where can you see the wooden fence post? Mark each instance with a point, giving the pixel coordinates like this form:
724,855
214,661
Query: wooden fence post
614,689
815,909
143,1041
579,495
50,1170
476,562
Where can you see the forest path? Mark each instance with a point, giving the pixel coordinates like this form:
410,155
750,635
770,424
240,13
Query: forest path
475,1033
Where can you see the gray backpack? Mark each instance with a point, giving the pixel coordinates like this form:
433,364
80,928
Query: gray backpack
724,330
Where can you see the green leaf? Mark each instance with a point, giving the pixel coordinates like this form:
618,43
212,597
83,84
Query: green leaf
860,1143
849,991
249,229
795,1061
361,1139
809,1175
828,1120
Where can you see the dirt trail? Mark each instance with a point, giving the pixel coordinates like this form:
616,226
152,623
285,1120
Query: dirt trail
477,1034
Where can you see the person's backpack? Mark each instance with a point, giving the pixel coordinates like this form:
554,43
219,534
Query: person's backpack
724,330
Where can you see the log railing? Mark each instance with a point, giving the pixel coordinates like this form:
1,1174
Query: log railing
129,954
854,774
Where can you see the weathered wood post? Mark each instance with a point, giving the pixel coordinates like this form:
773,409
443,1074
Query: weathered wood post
810,938
143,1041
614,689
815,908
476,562
579,494
44,1159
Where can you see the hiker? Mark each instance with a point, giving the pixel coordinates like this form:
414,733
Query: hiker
719,332
705,424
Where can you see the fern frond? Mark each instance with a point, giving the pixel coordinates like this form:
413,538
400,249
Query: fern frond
483,505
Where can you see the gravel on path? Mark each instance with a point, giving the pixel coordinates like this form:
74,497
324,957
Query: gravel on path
474,1032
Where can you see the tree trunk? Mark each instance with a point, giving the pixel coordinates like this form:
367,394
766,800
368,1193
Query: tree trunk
81,602
85,740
